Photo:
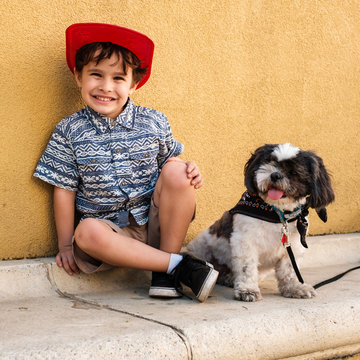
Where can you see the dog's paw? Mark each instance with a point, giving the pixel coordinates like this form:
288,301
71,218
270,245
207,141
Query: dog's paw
247,295
297,291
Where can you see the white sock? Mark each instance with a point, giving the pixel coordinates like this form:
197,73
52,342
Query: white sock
173,263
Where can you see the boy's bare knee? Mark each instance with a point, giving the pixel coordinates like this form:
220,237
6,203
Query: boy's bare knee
87,233
174,175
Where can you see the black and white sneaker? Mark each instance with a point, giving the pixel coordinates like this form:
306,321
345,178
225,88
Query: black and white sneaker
198,275
163,286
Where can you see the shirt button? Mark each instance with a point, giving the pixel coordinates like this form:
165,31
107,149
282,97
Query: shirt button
93,161
113,123
147,155
123,183
118,150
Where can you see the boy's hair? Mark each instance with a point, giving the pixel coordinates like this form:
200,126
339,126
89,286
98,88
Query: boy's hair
86,54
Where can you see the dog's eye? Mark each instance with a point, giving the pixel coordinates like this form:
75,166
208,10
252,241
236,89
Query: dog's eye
293,173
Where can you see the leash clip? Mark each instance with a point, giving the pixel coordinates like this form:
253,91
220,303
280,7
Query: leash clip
285,235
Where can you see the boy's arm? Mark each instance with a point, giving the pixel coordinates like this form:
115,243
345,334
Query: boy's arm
64,211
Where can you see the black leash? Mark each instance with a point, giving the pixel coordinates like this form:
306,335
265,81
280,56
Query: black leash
322,283
337,277
293,262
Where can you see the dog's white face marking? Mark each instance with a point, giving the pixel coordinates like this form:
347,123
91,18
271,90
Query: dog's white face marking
285,151
263,175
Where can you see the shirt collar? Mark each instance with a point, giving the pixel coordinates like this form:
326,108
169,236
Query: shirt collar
104,123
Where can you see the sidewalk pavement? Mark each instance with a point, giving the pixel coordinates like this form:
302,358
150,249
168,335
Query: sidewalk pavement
46,314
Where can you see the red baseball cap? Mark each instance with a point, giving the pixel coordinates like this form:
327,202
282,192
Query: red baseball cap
78,35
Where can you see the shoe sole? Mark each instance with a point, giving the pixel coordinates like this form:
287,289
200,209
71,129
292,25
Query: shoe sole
162,292
208,285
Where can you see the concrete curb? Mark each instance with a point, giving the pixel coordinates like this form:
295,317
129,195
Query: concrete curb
48,315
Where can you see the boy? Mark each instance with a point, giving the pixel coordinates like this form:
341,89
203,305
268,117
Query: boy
117,164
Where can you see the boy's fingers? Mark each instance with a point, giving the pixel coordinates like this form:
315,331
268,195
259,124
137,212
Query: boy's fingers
191,167
197,182
74,267
66,260
194,172
67,267
58,260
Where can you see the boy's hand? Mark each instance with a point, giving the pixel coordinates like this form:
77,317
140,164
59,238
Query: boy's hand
65,259
64,210
192,172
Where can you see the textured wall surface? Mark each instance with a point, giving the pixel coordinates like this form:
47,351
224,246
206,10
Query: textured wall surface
230,75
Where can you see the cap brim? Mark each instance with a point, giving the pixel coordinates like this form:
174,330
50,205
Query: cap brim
78,35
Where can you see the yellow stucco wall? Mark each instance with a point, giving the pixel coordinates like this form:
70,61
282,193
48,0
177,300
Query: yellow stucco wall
230,75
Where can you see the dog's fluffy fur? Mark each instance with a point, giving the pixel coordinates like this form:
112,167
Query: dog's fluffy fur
240,246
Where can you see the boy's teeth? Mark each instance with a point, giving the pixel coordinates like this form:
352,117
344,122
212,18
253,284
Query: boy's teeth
103,99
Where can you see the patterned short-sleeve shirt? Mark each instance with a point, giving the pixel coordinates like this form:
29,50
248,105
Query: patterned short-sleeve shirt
112,164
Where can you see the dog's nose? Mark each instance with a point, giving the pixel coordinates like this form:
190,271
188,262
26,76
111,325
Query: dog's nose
276,176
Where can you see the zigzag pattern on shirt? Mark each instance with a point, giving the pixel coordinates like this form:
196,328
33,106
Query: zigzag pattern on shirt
143,143
87,167
66,170
61,167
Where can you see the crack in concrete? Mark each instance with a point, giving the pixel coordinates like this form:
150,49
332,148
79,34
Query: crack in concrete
180,333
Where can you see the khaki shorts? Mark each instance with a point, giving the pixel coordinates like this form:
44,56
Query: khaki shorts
148,234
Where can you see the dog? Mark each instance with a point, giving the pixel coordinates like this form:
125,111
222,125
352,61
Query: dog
282,182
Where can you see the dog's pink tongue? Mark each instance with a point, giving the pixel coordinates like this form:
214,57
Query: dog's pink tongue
275,194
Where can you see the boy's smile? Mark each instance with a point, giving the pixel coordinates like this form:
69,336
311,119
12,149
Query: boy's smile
105,87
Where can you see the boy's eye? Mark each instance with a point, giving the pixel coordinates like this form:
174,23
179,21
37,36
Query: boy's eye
95,74
118,78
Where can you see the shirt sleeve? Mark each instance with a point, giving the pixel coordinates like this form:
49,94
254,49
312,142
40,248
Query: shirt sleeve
169,147
57,165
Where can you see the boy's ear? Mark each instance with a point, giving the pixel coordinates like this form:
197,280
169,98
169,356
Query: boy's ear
77,78
133,88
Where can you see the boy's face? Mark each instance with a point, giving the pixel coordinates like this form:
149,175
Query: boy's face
104,86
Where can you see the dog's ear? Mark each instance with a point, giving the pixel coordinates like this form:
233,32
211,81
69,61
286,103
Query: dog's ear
322,213
322,193
261,155
249,175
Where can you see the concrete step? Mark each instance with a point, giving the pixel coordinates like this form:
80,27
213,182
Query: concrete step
332,250
46,314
